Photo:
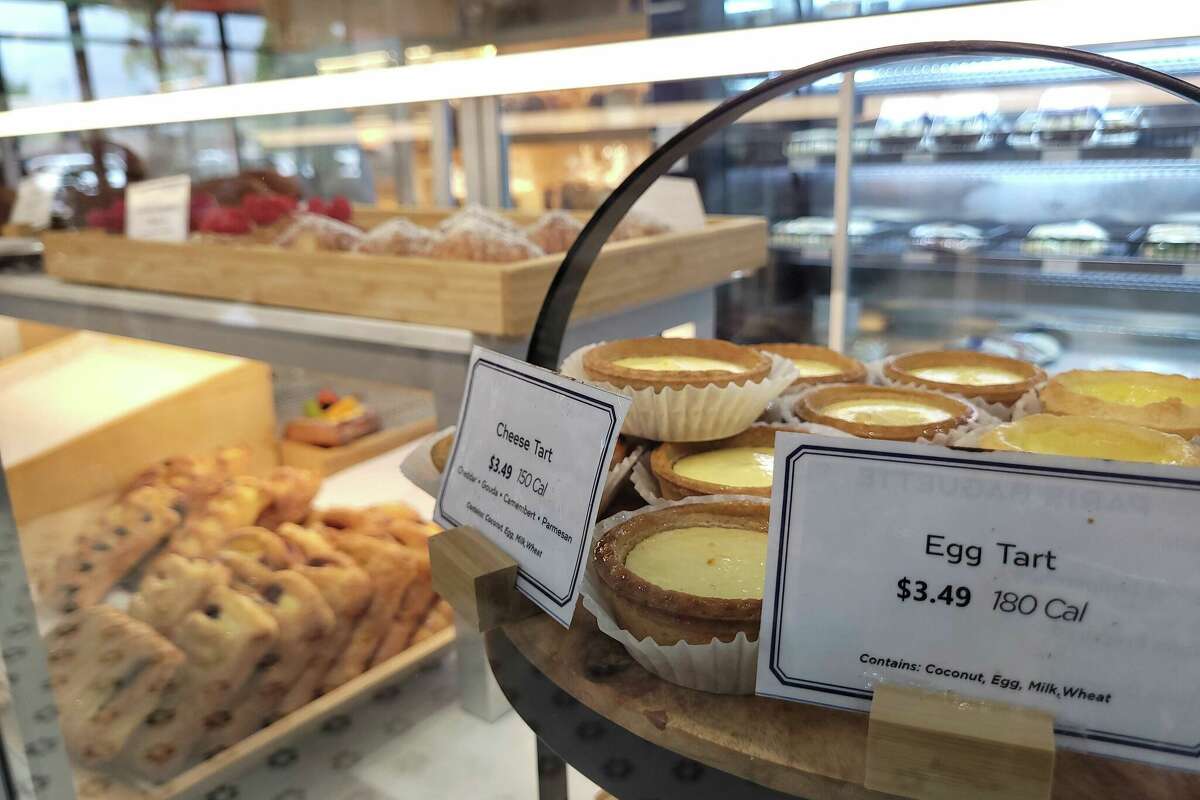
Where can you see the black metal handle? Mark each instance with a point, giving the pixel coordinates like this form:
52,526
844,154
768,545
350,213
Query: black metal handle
546,341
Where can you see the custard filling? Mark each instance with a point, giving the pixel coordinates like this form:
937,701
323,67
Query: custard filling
1124,391
726,563
749,467
678,364
811,368
1084,437
887,412
967,375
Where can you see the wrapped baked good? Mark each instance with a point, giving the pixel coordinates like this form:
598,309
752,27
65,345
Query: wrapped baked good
474,215
638,223
311,233
554,231
475,240
399,237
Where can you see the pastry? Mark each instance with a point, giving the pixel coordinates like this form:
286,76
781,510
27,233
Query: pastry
440,617
474,215
172,588
290,492
332,421
392,568
688,572
993,379
1169,403
304,620
399,237
312,233
1078,239
112,544
638,223
197,478
224,641
742,464
440,452
418,600
879,412
1087,437
818,364
239,503
263,546
659,363
108,672
554,231
472,241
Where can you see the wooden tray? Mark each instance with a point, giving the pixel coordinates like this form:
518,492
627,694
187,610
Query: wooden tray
794,748
501,299
327,460
42,542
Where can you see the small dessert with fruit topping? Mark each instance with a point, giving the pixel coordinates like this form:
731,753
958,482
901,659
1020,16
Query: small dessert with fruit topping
331,421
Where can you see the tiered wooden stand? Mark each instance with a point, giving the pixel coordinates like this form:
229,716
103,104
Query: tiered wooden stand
638,736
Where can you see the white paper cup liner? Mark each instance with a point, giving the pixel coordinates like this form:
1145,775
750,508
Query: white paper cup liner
876,375
718,667
647,485
693,413
1029,403
617,476
418,466
983,419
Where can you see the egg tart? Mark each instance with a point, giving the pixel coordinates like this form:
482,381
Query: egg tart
660,363
440,452
1088,437
689,573
818,364
742,464
883,412
1169,403
993,379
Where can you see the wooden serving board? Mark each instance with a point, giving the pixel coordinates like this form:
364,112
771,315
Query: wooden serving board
799,749
500,299
327,460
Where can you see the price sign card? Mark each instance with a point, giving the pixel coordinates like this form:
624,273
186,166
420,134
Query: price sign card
157,210
527,469
1064,584
35,200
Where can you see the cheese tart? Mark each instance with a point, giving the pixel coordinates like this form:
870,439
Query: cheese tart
993,379
1169,403
691,572
742,464
659,363
1088,437
439,454
884,412
818,364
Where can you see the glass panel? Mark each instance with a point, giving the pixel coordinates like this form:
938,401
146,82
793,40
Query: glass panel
38,73
245,30
190,68
34,17
114,23
118,70
188,27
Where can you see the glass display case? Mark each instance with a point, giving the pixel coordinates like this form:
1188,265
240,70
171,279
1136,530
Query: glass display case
222,440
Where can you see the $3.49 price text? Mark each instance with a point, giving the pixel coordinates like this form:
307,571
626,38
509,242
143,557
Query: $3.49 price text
524,477
1002,602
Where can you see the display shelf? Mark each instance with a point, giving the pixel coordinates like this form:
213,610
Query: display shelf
1182,155
715,744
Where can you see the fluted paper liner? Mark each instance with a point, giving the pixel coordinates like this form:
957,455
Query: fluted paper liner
718,667
418,467
693,413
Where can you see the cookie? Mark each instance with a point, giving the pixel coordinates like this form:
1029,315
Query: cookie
418,600
260,544
112,544
224,642
238,504
108,672
440,617
290,491
197,478
172,588
392,568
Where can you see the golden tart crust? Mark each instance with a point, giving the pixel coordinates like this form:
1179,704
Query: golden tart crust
1173,400
900,368
667,616
812,406
850,370
1090,437
440,452
676,487
599,363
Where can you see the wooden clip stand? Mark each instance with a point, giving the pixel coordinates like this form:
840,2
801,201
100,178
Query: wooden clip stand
477,578
941,746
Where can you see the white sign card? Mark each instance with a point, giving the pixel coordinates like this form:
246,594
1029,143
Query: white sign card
674,200
1064,584
35,200
527,469
158,210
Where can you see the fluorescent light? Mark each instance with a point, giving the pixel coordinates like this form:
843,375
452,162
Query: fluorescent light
738,52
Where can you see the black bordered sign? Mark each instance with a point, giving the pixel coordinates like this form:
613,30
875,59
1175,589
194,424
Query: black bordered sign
851,518
527,469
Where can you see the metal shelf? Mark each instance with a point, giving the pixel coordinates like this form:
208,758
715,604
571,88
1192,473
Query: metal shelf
1001,158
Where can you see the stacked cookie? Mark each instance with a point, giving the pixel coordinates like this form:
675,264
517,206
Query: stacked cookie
254,605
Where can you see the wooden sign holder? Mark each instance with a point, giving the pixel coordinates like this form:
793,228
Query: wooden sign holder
477,578
942,746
